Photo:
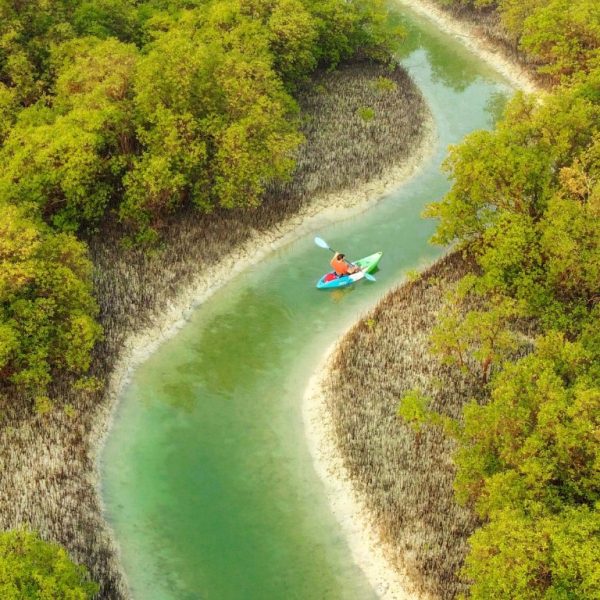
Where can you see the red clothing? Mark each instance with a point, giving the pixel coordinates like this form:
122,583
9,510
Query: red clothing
340,266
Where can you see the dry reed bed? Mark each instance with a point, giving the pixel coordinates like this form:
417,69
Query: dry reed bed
48,477
405,478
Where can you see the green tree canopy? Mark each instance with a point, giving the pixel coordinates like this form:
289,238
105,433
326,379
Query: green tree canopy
526,197
525,201
47,312
32,569
561,38
529,462
67,158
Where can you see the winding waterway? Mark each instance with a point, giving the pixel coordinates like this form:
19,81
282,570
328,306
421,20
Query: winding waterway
206,476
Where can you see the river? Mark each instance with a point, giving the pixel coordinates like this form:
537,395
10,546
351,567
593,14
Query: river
207,479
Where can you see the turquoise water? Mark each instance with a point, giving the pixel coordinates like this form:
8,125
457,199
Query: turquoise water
207,479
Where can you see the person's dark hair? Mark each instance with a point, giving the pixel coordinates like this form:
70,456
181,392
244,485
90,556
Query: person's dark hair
341,255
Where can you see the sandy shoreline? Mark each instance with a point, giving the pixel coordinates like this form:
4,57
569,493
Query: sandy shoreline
345,501
346,504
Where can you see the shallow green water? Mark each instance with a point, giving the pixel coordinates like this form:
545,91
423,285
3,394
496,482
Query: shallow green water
207,478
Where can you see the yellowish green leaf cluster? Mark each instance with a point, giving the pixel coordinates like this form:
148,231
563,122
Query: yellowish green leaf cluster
47,312
526,198
528,463
525,201
31,569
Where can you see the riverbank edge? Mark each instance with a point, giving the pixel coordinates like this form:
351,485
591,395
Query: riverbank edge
467,32
322,211
346,502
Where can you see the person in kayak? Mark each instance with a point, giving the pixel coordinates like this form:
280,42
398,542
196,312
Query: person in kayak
341,266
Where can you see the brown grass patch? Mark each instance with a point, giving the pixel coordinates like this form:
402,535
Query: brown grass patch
405,477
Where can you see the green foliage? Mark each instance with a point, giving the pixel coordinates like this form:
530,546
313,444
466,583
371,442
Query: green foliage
58,166
413,275
526,197
413,408
172,162
253,151
32,569
202,114
516,167
293,33
214,118
96,75
107,18
27,32
347,27
371,323
475,340
385,85
528,460
526,201
538,427
564,35
42,405
8,110
529,464
47,310
256,140
366,113
515,556
66,158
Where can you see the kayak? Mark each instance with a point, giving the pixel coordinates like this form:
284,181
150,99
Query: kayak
367,264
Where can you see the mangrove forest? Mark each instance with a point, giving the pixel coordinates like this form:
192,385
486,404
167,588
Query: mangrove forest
165,166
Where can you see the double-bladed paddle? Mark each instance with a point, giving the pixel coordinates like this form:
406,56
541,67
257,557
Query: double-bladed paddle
323,244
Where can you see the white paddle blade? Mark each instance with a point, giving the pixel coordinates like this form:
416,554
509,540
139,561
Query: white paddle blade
322,243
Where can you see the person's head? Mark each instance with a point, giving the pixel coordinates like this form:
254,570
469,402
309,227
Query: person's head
340,256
